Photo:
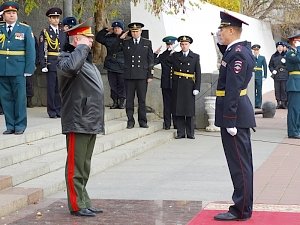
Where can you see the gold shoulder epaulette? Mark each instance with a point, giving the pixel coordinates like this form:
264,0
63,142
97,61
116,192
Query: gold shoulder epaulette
24,24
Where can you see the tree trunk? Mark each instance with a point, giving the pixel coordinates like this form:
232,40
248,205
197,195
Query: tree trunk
68,8
99,51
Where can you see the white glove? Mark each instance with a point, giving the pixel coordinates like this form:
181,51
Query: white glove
195,92
283,60
45,70
274,71
232,131
27,74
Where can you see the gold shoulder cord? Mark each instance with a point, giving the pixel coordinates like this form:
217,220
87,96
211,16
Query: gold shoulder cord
53,44
2,39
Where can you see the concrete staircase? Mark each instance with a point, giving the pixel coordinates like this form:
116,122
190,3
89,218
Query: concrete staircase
32,164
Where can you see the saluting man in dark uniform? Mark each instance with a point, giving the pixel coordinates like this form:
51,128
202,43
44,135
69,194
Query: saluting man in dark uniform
235,115
166,81
114,61
17,60
52,40
186,80
138,72
260,71
293,87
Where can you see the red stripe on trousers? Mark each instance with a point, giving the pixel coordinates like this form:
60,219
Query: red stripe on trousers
71,171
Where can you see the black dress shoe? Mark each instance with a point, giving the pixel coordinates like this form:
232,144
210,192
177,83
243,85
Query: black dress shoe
144,125
130,126
228,216
295,137
9,132
167,128
191,137
95,210
19,132
83,212
53,117
179,137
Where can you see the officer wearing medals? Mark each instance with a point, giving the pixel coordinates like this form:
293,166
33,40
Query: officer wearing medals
235,116
17,60
260,71
186,80
293,87
166,81
138,72
52,40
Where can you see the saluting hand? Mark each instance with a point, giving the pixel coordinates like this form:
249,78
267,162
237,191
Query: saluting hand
158,50
124,35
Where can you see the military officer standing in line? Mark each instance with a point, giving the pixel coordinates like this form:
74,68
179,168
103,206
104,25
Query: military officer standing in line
166,81
17,60
114,62
293,87
260,70
235,115
1,21
69,22
280,75
138,72
186,80
52,40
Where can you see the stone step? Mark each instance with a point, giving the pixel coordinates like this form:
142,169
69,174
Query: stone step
23,152
42,127
52,182
13,199
5,182
55,159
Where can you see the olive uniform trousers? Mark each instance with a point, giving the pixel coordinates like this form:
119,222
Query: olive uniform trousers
80,149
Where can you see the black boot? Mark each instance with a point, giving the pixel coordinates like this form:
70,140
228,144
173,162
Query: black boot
115,104
29,102
284,105
278,105
122,103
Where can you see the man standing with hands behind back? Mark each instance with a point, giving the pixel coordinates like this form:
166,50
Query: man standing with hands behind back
138,72
17,60
235,116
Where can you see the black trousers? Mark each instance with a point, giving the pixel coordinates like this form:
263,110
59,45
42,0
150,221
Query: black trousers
117,85
138,87
280,90
238,152
53,98
185,126
167,107
29,86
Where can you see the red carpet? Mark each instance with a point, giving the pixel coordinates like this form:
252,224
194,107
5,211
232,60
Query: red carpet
205,217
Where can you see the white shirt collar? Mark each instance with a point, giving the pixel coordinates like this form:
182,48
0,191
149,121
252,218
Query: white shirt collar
137,39
186,53
55,28
234,42
12,25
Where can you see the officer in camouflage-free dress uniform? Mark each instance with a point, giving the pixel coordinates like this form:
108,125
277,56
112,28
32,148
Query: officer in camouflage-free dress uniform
17,60
166,80
138,72
186,80
51,43
260,71
235,116
293,87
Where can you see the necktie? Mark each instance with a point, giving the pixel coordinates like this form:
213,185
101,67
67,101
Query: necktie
135,41
56,31
9,30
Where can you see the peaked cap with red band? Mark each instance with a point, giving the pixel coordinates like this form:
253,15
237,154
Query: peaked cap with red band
9,6
84,28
